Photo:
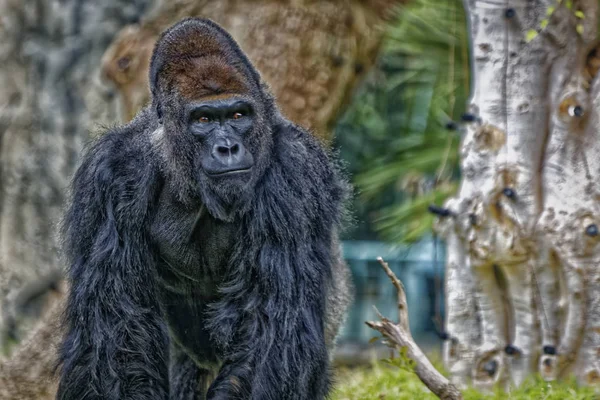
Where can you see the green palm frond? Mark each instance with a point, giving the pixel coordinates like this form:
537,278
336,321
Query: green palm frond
410,220
396,126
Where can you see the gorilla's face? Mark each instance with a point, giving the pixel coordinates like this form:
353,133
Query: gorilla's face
217,147
222,127
218,131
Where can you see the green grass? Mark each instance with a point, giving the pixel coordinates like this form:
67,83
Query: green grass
384,382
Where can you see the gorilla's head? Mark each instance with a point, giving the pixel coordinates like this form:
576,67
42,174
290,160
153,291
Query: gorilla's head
215,114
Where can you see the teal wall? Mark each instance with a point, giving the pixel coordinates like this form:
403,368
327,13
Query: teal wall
416,265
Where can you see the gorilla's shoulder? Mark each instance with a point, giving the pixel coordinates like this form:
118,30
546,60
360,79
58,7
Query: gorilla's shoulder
121,152
296,147
125,143
131,135
310,168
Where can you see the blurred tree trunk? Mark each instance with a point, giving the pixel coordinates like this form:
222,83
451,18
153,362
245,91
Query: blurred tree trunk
50,97
523,283
53,93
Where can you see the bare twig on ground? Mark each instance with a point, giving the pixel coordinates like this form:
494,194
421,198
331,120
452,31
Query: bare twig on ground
399,336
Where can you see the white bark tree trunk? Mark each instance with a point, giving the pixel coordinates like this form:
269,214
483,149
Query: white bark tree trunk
523,286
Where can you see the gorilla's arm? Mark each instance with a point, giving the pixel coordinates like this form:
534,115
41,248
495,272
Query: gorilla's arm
116,344
271,321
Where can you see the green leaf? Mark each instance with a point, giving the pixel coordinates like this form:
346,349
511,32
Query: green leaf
550,10
579,14
579,29
374,339
410,220
544,23
531,34
569,4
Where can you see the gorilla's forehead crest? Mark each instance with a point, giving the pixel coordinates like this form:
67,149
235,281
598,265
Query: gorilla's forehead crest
201,60
206,77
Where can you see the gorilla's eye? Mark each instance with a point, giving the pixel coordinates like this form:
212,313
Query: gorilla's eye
237,115
203,118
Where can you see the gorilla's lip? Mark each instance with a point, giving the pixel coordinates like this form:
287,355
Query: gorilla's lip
228,172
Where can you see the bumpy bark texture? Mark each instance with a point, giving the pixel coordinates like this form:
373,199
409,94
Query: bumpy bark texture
50,97
523,286
29,374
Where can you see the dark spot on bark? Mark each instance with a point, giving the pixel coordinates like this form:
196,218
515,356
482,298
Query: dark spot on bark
523,107
591,230
491,367
467,117
358,68
485,47
123,63
440,211
337,61
511,350
576,111
508,192
473,219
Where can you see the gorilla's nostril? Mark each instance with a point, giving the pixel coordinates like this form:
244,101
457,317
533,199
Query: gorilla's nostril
235,149
223,150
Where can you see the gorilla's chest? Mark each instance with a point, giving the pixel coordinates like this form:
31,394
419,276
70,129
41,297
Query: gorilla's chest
192,252
192,259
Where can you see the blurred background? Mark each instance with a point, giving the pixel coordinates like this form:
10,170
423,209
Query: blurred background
401,150
377,80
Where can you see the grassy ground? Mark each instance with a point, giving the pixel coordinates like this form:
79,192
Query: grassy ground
383,382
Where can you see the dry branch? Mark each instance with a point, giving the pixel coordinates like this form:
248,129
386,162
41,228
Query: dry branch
399,336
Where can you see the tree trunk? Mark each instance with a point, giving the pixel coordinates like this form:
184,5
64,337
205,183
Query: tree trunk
522,286
51,96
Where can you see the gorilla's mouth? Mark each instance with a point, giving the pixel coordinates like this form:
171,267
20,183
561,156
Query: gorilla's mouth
228,172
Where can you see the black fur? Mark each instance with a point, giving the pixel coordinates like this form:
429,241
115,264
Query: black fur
235,276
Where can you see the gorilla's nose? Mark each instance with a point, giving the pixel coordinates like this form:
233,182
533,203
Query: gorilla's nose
228,152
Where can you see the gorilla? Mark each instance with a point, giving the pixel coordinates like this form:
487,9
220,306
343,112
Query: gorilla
202,241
